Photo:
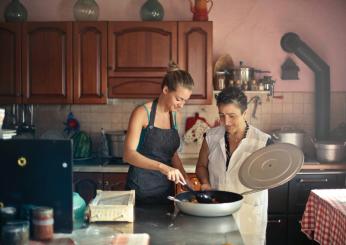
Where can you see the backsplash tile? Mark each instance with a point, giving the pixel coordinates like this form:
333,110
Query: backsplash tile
294,109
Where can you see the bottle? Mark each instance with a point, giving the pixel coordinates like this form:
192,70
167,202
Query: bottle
254,86
152,10
15,232
260,86
42,220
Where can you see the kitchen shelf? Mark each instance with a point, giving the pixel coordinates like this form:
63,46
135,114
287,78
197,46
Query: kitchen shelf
247,92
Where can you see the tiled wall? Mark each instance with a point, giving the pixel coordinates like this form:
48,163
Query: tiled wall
293,109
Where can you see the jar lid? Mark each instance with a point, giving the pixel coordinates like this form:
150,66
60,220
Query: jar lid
8,210
42,211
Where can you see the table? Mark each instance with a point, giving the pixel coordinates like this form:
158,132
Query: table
164,226
324,218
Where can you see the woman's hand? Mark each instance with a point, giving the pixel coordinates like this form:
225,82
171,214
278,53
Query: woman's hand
172,174
205,187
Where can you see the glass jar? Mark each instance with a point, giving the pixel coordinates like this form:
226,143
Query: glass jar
220,80
7,214
42,220
15,233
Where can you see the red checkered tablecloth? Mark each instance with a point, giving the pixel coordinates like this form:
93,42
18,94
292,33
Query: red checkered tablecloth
324,218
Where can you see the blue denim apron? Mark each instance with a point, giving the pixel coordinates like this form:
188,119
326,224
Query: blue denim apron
159,144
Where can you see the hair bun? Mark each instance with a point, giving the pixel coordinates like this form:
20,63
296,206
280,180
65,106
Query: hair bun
172,66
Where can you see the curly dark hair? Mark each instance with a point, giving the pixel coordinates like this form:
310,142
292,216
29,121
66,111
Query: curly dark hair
232,95
175,76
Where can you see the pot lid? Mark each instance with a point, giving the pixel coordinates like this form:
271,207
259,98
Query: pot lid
271,166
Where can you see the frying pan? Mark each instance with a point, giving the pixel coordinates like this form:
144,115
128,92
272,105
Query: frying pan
266,168
229,203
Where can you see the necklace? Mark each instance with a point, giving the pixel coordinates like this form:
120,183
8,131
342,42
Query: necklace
227,137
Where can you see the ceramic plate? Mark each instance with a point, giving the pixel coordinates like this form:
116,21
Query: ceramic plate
271,166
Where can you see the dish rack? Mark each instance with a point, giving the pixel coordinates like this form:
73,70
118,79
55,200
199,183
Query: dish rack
113,206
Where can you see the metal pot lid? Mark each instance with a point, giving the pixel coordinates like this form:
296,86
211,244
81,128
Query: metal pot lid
271,166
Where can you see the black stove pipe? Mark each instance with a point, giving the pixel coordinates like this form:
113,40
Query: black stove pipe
290,42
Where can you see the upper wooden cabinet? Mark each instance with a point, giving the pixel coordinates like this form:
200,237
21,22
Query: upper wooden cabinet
72,62
195,56
139,52
47,62
90,62
10,63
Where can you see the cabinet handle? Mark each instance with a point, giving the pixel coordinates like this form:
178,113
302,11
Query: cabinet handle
99,183
106,183
278,221
325,180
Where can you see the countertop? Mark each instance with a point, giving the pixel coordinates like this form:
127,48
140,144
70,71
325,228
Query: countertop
165,228
190,165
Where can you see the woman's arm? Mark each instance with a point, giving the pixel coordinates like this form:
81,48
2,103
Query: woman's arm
131,156
202,167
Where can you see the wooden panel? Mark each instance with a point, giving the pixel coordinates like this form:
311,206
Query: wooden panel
134,87
114,181
47,62
10,66
90,62
195,56
141,49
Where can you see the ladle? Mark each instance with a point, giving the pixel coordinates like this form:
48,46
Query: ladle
201,196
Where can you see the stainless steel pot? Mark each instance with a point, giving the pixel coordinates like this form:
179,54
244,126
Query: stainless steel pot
245,73
330,151
289,135
115,141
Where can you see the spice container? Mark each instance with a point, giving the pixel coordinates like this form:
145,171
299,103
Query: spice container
15,233
7,214
42,220
220,81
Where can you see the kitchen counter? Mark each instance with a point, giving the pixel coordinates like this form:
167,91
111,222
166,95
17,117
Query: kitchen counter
190,165
163,228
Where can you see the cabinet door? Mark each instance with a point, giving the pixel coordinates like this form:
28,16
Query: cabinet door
278,199
302,184
276,230
47,62
86,184
90,62
10,66
138,56
114,181
294,233
195,56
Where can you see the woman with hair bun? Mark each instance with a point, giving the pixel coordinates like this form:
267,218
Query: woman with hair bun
152,140
223,151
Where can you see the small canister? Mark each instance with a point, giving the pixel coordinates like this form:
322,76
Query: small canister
7,214
16,233
43,220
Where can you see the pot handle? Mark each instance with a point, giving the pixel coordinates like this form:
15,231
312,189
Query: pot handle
313,140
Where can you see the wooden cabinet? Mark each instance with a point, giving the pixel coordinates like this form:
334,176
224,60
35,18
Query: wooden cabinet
139,52
10,63
47,62
90,62
53,63
287,204
87,183
195,56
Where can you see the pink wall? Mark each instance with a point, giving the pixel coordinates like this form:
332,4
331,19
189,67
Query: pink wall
248,30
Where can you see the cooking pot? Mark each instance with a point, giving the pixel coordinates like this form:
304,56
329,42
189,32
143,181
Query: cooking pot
266,168
329,151
289,135
245,73
115,141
